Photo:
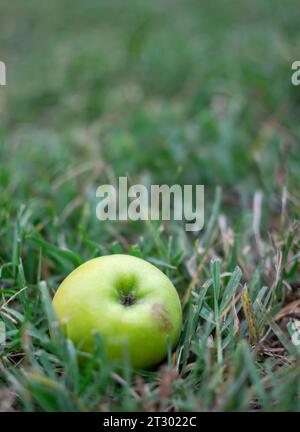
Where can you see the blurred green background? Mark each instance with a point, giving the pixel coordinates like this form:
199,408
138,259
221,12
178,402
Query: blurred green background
162,91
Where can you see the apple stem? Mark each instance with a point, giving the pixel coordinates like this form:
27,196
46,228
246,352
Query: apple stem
127,299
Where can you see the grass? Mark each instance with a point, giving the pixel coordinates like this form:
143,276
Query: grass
163,92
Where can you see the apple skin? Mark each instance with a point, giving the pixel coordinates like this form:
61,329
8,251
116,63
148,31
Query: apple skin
91,299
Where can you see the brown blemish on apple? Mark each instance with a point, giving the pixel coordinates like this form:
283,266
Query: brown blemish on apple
161,316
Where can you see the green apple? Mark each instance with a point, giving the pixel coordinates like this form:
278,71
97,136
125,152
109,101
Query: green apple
128,301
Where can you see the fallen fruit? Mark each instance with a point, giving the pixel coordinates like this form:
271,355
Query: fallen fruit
128,301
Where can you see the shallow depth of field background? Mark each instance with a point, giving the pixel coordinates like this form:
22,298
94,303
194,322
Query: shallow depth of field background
183,92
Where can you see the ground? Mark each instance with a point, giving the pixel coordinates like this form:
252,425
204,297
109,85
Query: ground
182,92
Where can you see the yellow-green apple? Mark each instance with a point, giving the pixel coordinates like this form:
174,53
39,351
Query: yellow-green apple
128,301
